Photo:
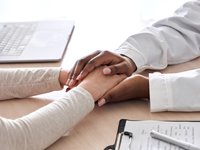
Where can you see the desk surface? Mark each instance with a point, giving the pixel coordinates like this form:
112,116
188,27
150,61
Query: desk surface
99,128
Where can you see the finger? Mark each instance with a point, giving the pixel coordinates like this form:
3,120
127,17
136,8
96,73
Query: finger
71,80
77,69
111,96
101,102
82,62
104,58
70,76
79,65
89,67
120,68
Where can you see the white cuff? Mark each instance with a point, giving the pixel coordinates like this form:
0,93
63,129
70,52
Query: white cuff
159,92
131,52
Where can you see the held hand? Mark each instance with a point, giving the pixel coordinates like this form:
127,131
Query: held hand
133,87
116,64
96,83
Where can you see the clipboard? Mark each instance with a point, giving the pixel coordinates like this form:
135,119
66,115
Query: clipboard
119,136
122,133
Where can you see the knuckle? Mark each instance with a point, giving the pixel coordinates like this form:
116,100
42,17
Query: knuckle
129,74
128,69
125,68
91,63
114,70
106,52
81,61
97,51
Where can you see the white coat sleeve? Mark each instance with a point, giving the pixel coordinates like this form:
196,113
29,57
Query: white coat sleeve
43,127
175,91
169,41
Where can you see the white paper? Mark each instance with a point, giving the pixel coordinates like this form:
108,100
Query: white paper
185,131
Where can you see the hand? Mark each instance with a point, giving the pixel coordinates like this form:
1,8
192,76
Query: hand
133,87
63,77
116,64
97,83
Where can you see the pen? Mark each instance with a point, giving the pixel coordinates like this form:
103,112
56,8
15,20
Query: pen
171,140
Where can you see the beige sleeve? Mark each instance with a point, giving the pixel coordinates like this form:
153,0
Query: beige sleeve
43,127
19,83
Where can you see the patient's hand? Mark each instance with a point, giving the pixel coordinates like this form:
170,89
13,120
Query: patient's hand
97,83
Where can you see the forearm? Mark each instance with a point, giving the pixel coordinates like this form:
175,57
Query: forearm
169,41
19,83
40,129
175,92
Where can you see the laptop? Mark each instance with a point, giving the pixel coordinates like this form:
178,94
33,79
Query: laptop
42,41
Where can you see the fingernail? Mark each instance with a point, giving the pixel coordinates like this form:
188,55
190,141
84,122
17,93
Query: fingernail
106,71
101,102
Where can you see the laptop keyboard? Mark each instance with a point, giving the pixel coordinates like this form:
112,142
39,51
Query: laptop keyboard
14,37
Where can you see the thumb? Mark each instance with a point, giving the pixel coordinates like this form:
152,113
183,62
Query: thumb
110,96
120,68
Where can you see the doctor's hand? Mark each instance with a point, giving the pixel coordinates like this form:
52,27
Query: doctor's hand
116,64
133,87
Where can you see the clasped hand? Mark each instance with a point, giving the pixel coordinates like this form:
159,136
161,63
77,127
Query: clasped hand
132,87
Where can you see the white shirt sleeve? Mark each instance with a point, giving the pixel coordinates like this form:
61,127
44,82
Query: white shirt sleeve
169,41
175,91
43,127
24,82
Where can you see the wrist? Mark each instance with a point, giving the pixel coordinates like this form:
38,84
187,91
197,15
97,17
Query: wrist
63,77
93,90
144,88
131,64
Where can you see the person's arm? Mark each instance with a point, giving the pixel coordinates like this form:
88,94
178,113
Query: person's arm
24,82
169,41
43,127
175,91
166,92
